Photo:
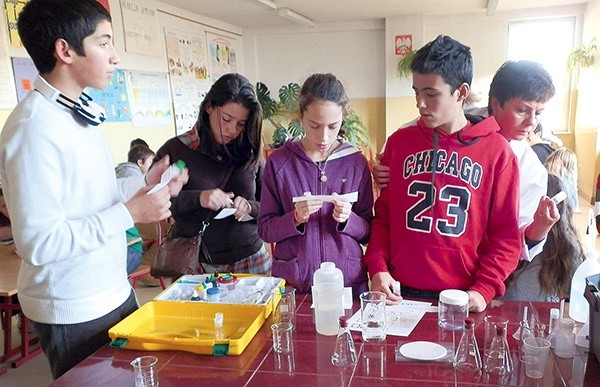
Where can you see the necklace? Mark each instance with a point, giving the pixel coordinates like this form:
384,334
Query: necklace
321,165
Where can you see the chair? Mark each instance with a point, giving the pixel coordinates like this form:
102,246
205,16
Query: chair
151,242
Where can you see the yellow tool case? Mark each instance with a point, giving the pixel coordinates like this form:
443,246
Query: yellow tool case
172,321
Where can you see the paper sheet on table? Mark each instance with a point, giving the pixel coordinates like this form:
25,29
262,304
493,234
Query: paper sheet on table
351,197
225,212
401,319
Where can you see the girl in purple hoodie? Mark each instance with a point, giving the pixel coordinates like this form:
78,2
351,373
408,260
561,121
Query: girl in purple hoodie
308,232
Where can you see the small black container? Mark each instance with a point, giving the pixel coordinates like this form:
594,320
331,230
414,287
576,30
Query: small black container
592,294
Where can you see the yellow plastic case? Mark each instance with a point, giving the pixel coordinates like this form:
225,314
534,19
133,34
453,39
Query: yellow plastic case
189,325
185,326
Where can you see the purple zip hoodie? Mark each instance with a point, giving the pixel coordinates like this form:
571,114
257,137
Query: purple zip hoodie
299,251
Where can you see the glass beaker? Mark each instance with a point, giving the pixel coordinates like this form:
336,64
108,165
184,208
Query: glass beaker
285,311
144,371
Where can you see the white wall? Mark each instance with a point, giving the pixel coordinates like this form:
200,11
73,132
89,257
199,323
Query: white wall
351,51
362,54
486,36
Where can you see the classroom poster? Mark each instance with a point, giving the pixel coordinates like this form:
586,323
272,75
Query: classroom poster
187,58
141,27
222,55
113,98
25,73
7,87
149,98
13,8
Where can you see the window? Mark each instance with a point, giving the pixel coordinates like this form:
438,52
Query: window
549,42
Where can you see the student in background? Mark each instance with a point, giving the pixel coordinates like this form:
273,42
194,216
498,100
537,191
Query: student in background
227,135
69,213
322,163
563,163
138,141
547,278
540,147
449,217
139,160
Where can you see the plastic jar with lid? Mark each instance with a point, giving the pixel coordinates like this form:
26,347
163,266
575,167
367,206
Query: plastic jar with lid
453,308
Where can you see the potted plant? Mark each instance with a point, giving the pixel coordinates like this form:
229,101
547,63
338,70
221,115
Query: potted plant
404,65
582,56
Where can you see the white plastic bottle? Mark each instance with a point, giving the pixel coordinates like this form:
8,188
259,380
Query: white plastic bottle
328,287
565,339
579,308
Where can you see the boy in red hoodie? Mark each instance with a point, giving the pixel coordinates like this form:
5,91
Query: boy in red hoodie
449,217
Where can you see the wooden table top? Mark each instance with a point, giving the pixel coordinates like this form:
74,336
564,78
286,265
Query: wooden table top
10,263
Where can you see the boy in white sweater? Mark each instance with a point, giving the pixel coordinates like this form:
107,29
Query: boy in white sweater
69,214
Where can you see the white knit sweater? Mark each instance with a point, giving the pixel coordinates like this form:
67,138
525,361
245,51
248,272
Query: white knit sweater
66,212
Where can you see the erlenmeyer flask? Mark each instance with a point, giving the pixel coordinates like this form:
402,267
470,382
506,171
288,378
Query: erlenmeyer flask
498,360
467,359
344,353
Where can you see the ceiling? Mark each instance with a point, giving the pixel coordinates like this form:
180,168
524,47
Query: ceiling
251,14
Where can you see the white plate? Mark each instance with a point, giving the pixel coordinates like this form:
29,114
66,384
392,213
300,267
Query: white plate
423,350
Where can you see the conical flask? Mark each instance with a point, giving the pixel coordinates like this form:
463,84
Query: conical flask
344,353
467,358
498,360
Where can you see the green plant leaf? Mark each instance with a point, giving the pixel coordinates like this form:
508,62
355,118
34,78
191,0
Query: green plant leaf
289,95
295,128
582,56
355,130
404,65
269,106
280,135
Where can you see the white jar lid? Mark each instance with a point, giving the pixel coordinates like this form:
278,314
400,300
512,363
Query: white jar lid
454,297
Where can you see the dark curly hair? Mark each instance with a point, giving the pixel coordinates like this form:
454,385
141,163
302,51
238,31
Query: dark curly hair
447,58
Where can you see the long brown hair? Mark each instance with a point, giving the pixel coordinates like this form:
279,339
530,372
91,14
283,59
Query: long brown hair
245,149
562,252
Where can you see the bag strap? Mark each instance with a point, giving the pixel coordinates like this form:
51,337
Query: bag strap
209,217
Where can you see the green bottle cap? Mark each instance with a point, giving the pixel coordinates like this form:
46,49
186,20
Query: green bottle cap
180,164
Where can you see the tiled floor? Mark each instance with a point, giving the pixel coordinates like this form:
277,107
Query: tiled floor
37,373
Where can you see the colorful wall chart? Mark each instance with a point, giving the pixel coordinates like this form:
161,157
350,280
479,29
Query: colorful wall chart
188,70
113,98
149,98
222,55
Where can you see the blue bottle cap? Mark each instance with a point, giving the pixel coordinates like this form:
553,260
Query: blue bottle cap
212,291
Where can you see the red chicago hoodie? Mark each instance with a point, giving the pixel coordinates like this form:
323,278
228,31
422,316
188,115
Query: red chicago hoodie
449,216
